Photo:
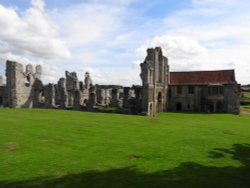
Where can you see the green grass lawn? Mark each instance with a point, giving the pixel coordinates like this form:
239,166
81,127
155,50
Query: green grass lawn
56,148
245,97
246,107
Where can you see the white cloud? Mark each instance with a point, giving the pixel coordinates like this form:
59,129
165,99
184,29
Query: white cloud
96,35
50,73
32,31
39,4
91,22
176,47
214,2
13,57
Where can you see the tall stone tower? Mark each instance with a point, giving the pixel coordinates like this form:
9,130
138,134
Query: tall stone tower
19,84
154,75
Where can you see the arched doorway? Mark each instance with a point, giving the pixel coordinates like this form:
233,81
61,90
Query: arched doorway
178,107
159,102
27,81
219,107
85,102
211,107
41,97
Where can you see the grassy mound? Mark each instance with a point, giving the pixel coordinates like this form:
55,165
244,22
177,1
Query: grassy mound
56,148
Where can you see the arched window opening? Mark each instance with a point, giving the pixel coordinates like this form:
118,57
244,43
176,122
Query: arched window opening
159,98
27,81
85,102
178,106
41,97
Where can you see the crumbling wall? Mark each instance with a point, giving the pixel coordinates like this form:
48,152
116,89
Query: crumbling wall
72,85
154,75
20,84
232,99
62,93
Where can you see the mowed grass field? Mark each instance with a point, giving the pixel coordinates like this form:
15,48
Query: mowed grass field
56,148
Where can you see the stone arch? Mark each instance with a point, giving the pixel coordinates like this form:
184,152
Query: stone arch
159,102
159,97
27,81
219,106
41,97
85,102
179,106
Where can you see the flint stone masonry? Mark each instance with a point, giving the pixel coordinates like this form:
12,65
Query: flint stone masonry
154,75
92,98
115,100
88,80
204,91
49,93
20,90
101,96
62,93
161,90
126,97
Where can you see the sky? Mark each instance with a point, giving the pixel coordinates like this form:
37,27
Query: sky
109,38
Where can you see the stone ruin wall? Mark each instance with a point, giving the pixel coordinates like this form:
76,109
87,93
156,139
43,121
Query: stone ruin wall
20,84
154,75
24,89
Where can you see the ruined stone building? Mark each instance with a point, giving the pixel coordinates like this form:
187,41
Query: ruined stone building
154,75
18,92
161,90
24,89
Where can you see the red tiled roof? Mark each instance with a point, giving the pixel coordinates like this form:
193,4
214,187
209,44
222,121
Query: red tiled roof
202,77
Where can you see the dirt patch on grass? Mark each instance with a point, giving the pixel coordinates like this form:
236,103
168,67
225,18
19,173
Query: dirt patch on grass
228,132
11,146
45,141
59,174
134,157
244,111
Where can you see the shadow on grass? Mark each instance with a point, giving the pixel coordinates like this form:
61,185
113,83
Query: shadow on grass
186,175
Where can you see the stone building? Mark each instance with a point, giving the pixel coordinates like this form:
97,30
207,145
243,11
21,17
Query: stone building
161,90
20,84
154,75
203,91
24,89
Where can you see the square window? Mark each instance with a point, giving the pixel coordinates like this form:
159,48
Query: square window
221,90
179,90
191,89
